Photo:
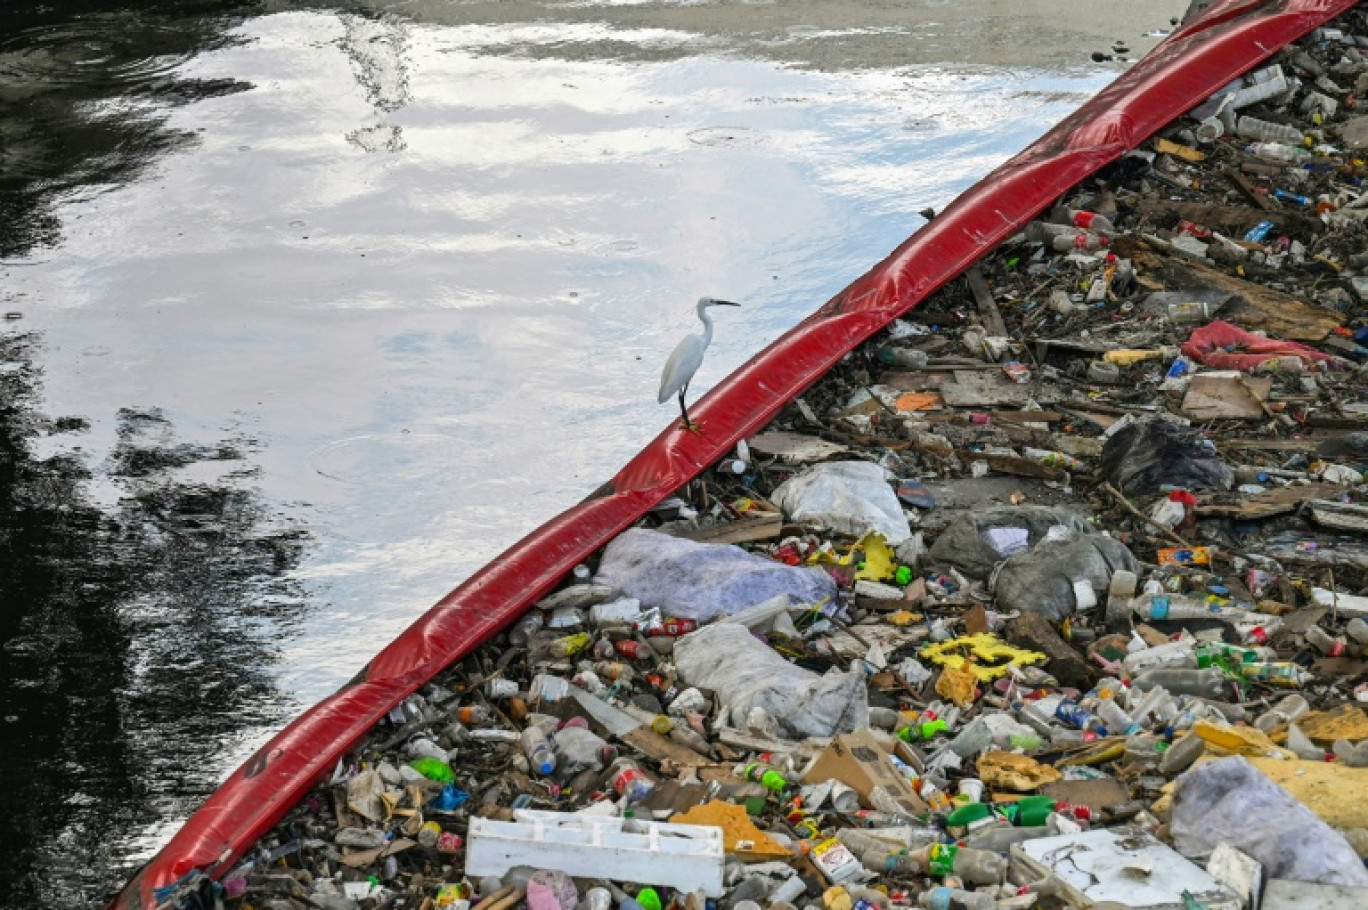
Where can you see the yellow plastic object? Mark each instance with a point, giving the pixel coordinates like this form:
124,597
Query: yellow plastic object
1239,740
879,562
1186,152
989,656
1126,356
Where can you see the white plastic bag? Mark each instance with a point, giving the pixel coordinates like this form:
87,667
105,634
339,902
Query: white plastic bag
746,674
701,581
848,497
1229,800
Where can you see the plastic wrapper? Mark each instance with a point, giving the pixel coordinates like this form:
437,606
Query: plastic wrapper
1153,453
848,497
977,543
1231,801
747,674
702,581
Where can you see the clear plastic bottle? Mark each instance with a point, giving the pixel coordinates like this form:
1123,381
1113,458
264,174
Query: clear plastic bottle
1180,756
902,357
955,899
537,747
1037,718
1288,710
1259,91
886,863
1170,654
1116,719
1276,151
1177,607
979,867
629,780
1209,683
1000,839
1267,131
1142,706
1324,642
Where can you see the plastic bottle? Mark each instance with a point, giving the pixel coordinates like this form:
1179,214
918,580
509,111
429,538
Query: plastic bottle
1358,631
1000,839
537,747
1160,607
1259,91
886,863
1284,675
525,628
1178,757
1288,710
766,777
1169,654
1037,718
1276,151
935,797
1324,642
473,715
955,899
629,780
903,357
1116,720
978,867
1214,653
1086,220
1209,683
1267,131
570,645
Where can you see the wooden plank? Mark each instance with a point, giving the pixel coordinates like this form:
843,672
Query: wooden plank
765,526
1013,464
1241,183
987,305
1266,504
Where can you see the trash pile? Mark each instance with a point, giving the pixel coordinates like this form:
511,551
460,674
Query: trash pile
1052,595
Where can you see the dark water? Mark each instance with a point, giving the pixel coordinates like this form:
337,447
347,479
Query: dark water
320,306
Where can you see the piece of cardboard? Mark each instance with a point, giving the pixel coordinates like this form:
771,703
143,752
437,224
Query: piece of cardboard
862,762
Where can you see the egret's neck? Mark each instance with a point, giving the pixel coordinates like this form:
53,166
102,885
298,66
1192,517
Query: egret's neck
707,325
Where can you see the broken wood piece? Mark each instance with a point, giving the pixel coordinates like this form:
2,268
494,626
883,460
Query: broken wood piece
987,305
764,526
1266,504
1342,516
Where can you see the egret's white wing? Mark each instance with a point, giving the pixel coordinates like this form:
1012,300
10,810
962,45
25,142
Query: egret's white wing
683,363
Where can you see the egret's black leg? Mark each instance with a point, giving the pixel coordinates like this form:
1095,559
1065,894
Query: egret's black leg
683,409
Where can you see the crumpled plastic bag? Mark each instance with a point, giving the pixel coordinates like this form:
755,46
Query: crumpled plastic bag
1063,575
977,543
746,674
1229,800
847,497
548,890
1211,344
699,580
1152,453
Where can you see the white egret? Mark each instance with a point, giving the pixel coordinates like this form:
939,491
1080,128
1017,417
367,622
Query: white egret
687,357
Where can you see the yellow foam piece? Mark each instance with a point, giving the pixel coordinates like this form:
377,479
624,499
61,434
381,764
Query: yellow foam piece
981,649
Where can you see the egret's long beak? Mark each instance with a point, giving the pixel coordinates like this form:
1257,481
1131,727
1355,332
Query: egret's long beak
725,303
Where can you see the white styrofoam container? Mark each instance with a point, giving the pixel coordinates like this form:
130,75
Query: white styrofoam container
685,857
